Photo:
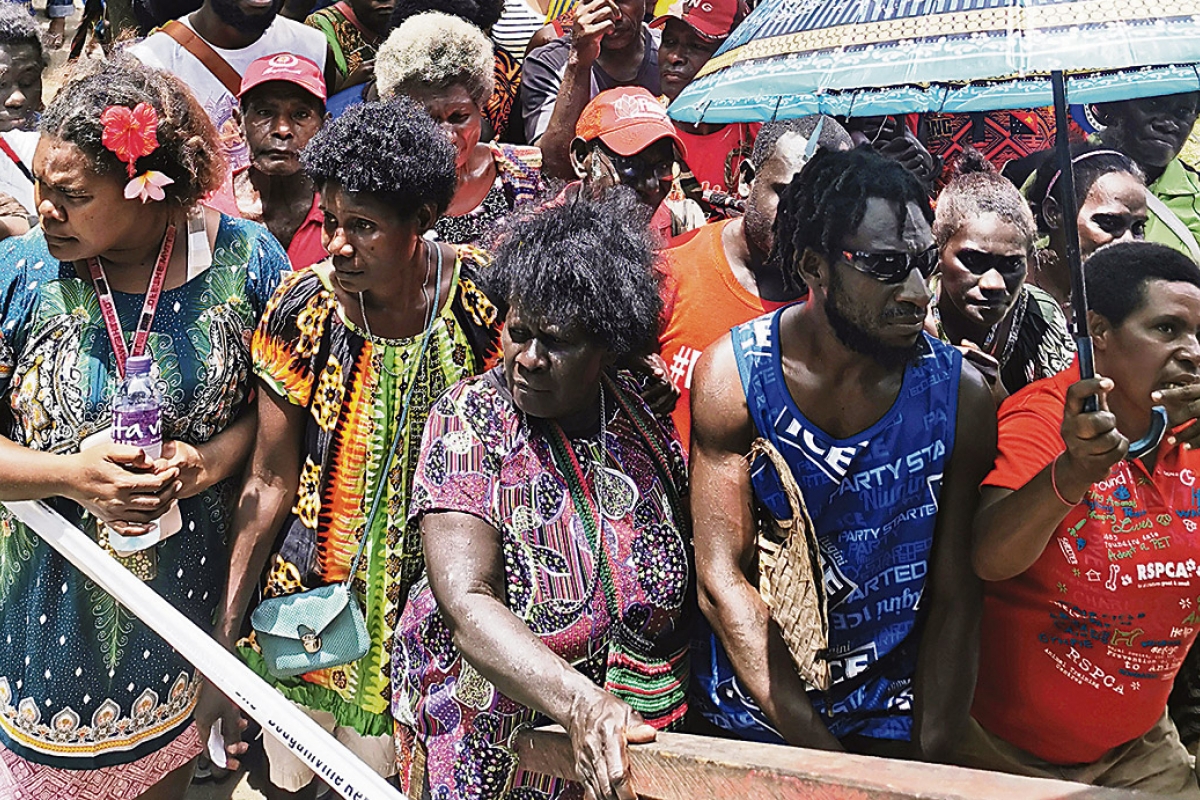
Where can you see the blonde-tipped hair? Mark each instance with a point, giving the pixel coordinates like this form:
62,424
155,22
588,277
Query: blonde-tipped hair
977,189
432,52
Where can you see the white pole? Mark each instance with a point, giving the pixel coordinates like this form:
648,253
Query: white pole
324,755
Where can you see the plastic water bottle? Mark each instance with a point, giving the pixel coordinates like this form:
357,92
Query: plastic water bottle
137,409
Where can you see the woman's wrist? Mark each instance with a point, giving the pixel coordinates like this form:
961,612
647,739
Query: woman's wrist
581,694
64,480
193,468
225,632
1065,480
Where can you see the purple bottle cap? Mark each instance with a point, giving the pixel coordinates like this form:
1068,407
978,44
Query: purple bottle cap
138,365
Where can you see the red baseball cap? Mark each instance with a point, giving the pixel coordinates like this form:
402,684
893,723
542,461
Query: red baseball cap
285,67
712,19
627,120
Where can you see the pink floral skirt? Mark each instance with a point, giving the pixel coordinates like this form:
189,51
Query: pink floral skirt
25,780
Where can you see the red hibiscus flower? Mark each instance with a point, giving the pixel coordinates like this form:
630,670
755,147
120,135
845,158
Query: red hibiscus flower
130,133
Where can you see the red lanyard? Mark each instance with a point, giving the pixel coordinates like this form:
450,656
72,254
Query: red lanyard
108,308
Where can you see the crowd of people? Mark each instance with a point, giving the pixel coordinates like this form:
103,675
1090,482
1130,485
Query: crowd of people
772,432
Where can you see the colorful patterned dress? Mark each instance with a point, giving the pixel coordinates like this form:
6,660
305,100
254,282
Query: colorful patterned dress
350,43
518,183
307,352
499,107
481,457
83,683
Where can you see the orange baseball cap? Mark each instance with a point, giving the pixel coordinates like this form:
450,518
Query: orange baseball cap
627,120
285,67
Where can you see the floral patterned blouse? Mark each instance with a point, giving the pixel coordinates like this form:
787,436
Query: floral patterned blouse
482,457
83,683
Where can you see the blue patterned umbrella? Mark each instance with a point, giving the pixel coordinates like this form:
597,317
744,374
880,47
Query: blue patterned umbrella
792,58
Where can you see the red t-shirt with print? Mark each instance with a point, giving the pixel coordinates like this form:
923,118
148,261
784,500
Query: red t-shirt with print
1078,653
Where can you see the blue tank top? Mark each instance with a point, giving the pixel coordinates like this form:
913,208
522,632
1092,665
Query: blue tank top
873,499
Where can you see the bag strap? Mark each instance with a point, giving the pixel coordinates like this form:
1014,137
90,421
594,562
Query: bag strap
801,523
203,51
12,155
371,38
1174,224
404,407
645,424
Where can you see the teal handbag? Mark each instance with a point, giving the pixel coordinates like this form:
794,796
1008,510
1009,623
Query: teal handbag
312,630
324,627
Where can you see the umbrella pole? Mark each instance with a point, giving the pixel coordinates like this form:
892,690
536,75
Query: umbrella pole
1070,223
1083,339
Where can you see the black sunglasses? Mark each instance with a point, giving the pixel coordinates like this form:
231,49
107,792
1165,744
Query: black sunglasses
631,169
893,267
981,263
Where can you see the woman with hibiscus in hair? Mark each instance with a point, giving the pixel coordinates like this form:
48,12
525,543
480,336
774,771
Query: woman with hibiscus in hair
124,264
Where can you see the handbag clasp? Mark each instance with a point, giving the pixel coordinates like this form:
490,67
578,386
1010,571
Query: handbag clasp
309,640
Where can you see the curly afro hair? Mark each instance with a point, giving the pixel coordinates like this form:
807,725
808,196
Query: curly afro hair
587,265
1118,273
392,150
189,152
434,51
977,189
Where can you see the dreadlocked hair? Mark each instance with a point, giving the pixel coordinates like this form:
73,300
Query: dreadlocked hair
587,264
977,189
188,152
826,202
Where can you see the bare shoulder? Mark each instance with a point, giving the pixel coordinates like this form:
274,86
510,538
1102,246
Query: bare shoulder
720,416
975,403
975,430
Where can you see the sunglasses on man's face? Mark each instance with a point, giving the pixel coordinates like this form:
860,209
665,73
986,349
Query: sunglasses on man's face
981,263
632,169
893,267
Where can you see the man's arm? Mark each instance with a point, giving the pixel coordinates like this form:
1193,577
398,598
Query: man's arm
723,522
947,660
593,20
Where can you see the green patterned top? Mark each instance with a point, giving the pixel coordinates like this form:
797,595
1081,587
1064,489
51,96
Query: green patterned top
353,389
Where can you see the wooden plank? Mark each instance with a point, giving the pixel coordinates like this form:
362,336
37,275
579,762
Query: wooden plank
685,767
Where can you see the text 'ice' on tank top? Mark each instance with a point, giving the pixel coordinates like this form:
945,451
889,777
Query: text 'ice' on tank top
873,498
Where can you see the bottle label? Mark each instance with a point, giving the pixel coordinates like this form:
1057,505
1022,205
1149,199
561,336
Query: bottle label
140,428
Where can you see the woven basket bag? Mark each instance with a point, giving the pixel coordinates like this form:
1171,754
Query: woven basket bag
791,578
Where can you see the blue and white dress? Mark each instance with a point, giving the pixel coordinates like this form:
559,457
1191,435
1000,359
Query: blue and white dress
83,683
